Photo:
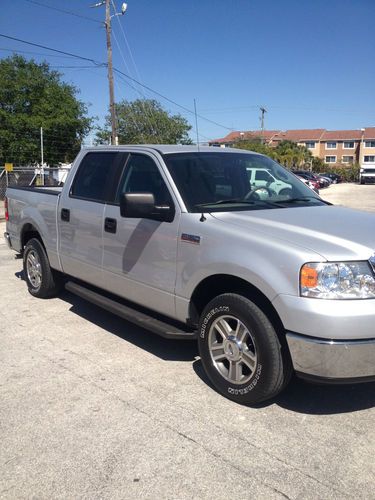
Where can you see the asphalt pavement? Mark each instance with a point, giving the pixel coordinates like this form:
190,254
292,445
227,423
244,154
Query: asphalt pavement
94,407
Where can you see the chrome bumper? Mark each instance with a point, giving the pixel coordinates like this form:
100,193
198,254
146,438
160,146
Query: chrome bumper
7,239
332,360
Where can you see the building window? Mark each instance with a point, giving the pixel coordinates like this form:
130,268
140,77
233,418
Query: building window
348,159
348,144
370,144
369,159
331,145
330,159
310,144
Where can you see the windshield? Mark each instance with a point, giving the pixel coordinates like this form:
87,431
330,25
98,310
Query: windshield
216,181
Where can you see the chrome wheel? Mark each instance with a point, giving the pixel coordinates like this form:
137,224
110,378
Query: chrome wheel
232,349
34,269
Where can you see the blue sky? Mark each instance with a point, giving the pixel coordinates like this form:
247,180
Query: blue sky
310,63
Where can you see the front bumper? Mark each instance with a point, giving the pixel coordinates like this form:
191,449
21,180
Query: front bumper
334,361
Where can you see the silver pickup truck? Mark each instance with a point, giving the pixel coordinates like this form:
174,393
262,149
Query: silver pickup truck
178,240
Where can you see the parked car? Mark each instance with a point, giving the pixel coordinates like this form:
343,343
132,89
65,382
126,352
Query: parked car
322,183
178,241
314,183
336,178
327,179
309,184
367,174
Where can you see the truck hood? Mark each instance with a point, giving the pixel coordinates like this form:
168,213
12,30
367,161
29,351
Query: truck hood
336,233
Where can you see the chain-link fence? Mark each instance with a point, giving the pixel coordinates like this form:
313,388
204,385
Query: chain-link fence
27,176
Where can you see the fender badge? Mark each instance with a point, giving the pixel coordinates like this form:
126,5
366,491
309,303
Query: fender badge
191,238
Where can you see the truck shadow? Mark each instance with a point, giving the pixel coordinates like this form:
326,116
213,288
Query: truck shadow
313,399
167,349
299,396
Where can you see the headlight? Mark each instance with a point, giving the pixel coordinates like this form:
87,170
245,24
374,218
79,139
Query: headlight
337,280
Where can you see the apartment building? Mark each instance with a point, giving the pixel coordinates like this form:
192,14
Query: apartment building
334,147
367,153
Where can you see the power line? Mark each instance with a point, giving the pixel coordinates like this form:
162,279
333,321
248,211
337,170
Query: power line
34,53
71,13
97,63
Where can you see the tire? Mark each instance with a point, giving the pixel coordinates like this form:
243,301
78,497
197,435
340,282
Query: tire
362,181
41,281
240,350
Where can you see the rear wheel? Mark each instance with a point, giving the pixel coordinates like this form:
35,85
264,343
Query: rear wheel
240,350
41,281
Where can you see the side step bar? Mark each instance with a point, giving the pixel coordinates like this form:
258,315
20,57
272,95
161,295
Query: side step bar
166,330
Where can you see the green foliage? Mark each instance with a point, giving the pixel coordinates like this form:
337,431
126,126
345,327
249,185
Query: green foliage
33,96
144,121
348,173
287,153
318,165
255,145
292,155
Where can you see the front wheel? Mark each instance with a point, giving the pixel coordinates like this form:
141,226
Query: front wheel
42,281
240,350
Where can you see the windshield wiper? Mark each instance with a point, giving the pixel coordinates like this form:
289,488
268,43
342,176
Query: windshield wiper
305,199
223,202
241,202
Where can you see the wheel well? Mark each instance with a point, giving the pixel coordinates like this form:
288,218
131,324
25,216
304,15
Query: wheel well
28,232
218,284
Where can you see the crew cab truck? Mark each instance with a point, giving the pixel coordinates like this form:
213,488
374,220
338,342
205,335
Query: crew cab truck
178,240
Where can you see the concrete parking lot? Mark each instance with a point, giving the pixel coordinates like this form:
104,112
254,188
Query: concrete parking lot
361,197
94,407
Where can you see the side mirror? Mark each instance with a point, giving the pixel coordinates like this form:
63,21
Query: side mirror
142,206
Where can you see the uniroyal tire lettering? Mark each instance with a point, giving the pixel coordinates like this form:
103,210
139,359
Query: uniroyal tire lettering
248,388
209,316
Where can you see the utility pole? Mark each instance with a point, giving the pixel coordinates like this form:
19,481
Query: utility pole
263,111
41,157
107,3
110,72
41,146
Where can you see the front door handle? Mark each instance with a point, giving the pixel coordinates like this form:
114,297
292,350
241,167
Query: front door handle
110,225
65,214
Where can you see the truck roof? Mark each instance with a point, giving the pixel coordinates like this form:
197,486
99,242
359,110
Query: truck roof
169,148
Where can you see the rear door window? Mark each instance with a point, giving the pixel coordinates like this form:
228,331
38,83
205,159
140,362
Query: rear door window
98,176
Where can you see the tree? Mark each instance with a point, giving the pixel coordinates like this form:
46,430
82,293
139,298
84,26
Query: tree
33,96
287,153
292,155
255,145
144,121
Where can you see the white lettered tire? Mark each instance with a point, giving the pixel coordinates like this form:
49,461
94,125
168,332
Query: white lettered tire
240,350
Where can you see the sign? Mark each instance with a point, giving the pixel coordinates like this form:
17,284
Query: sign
9,167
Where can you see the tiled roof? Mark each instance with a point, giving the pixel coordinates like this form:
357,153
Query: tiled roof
341,135
249,134
300,135
369,133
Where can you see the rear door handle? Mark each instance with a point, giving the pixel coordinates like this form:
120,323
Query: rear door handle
65,214
110,225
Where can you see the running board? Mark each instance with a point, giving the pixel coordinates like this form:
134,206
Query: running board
166,330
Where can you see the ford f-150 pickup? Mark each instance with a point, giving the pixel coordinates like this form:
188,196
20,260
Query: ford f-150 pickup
179,240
